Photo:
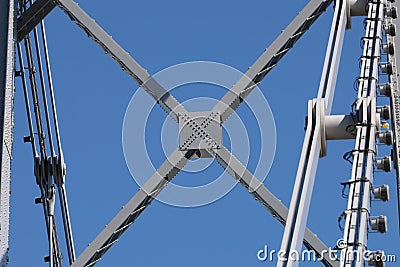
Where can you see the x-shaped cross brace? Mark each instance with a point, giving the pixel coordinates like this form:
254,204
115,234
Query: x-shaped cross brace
177,160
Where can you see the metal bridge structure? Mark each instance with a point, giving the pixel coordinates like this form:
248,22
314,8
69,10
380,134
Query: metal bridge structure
24,56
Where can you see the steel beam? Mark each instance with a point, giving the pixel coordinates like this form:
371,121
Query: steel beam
395,100
296,29
131,211
7,61
277,209
304,184
333,55
314,142
270,58
355,234
122,58
33,16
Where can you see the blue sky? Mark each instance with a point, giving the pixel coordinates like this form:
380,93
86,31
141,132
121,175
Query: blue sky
93,93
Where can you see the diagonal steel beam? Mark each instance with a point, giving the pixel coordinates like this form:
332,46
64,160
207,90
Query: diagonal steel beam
33,16
278,210
131,211
305,177
122,58
314,141
236,95
150,85
143,198
270,58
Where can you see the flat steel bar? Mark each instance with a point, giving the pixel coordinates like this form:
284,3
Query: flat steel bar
131,211
333,55
122,58
43,90
270,58
33,16
301,197
66,222
306,172
7,63
261,193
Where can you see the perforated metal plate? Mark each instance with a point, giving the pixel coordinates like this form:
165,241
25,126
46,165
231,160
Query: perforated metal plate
200,130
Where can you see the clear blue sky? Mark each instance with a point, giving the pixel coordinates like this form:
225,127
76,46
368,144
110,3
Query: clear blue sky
92,94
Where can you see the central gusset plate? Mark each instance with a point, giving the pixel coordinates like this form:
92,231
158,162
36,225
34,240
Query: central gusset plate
200,131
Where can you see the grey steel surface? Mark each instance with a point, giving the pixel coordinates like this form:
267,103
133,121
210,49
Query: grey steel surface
395,101
270,58
7,45
208,136
317,109
128,214
357,214
33,16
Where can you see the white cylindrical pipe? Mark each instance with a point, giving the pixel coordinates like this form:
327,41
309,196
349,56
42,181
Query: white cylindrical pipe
339,127
358,7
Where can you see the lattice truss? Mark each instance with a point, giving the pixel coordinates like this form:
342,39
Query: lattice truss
200,133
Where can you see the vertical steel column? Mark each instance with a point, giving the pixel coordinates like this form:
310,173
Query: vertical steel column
7,42
358,207
394,58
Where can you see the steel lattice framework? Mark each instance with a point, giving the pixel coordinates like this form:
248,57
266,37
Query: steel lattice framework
23,32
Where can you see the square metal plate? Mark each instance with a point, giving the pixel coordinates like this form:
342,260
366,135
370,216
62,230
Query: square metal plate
200,130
